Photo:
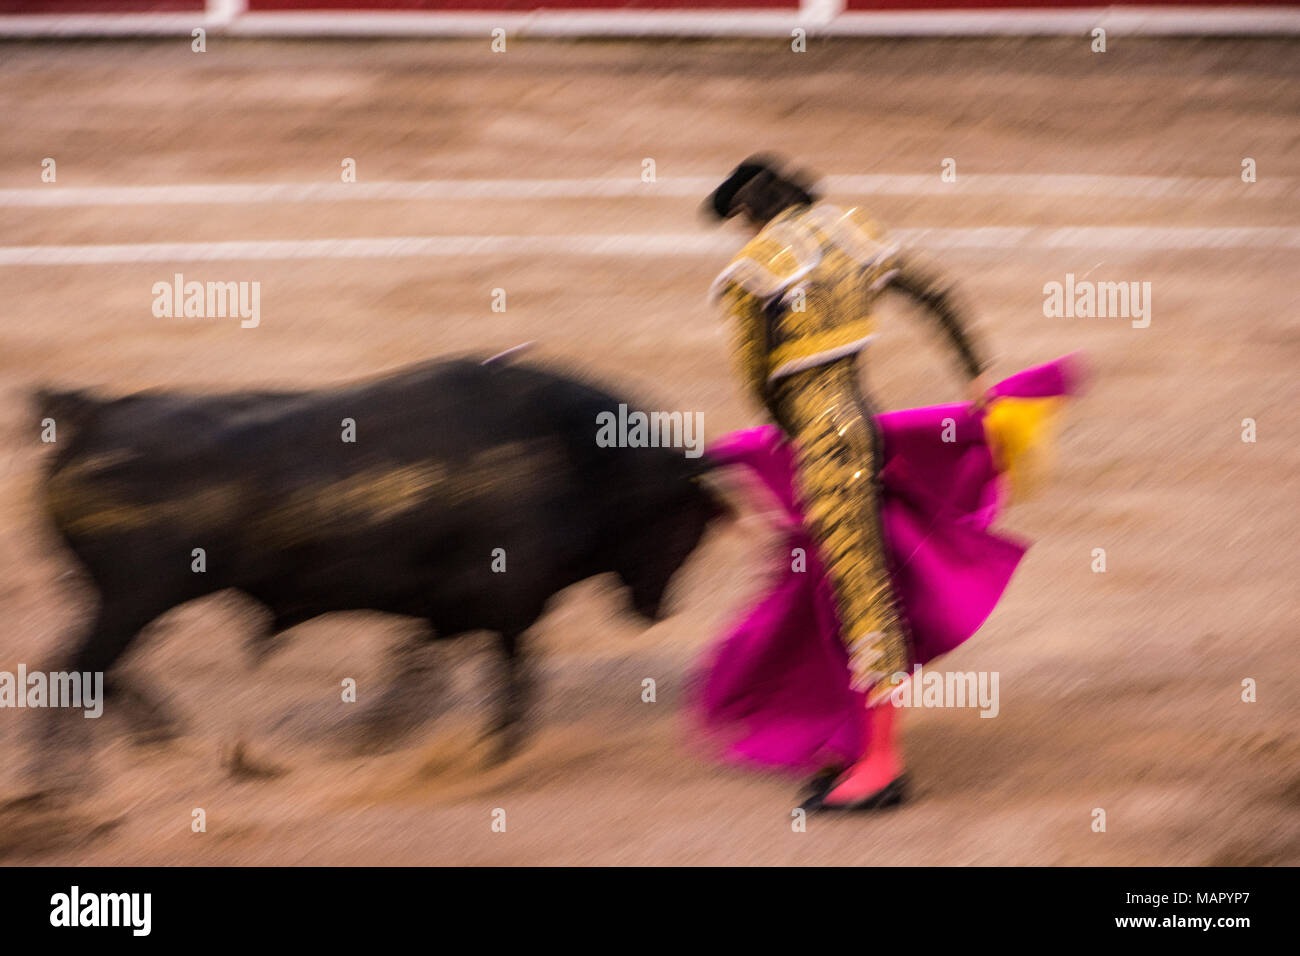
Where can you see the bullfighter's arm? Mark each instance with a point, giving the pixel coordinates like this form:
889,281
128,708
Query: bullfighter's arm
926,287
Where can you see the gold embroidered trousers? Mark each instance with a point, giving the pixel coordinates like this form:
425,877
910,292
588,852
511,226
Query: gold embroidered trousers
824,414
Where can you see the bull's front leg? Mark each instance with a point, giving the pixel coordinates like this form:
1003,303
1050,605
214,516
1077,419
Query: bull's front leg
62,758
508,730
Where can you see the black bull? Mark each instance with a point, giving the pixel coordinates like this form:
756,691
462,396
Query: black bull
470,494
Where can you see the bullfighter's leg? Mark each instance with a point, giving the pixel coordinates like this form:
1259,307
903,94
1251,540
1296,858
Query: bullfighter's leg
838,457
823,412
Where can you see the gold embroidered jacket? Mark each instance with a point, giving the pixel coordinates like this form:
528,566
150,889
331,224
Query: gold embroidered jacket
802,293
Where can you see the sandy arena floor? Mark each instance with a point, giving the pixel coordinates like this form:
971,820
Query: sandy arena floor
1119,690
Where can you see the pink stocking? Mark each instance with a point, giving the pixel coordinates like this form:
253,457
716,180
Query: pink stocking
879,766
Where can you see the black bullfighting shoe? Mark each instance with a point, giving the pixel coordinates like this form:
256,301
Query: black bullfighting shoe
815,789
890,795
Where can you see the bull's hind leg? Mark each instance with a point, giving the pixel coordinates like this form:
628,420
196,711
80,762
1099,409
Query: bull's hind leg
416,692
508,730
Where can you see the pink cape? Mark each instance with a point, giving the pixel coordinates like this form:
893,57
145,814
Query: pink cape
775,690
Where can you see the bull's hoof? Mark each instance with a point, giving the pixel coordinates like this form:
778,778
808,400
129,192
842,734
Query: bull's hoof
41,798
36,821
240,765
499,753
503,743
56,784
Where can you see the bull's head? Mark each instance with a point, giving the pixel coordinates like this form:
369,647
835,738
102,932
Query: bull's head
664,532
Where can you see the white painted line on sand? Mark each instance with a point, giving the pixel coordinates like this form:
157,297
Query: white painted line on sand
696,187
657,245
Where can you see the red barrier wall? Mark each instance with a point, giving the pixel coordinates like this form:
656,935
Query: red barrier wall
708,16
520,6
99,6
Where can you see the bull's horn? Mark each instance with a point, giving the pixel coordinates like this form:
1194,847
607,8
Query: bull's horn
508,353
